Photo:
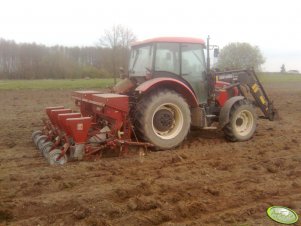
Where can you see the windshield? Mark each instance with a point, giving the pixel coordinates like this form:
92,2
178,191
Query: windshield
141,60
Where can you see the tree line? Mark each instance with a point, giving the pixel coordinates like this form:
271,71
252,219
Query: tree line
35,61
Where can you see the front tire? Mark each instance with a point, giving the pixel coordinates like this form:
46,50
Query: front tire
163,119
242,122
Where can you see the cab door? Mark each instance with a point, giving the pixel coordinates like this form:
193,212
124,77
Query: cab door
193,69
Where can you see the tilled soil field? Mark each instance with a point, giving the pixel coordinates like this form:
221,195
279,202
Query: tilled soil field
206,181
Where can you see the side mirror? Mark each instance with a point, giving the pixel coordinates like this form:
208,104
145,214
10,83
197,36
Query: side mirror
216,52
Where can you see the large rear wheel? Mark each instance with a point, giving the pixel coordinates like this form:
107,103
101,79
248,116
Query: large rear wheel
163,118
242,122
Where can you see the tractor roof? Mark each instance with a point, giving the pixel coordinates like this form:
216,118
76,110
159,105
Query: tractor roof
171,39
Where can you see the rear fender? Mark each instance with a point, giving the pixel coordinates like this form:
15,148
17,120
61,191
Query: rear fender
172,84
225,111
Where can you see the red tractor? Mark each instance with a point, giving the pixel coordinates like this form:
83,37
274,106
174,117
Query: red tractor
168,89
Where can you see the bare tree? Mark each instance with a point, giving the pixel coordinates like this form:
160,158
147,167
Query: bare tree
118,38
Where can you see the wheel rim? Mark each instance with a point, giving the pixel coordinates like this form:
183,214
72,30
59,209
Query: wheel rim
244,123
167,121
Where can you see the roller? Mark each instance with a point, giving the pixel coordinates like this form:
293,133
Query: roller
46,148
40,141
35,134
53,157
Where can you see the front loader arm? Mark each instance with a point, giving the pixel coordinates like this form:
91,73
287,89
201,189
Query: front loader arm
249,78
260,96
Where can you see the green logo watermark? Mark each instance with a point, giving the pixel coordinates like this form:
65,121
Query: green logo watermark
282,215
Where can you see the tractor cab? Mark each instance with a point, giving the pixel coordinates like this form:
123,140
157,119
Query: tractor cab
178,58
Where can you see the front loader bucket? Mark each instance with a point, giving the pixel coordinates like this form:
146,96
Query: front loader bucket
273,114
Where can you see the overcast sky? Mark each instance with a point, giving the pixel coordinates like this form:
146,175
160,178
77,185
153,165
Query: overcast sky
274,26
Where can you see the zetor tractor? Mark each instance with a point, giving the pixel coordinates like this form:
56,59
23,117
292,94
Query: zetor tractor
168,89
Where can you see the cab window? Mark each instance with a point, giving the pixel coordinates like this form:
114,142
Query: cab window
141,59
193,62
167,58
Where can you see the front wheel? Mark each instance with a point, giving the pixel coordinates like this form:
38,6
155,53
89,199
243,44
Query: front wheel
163,119
242,122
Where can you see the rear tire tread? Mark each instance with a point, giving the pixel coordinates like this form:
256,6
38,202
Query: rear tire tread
141,107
